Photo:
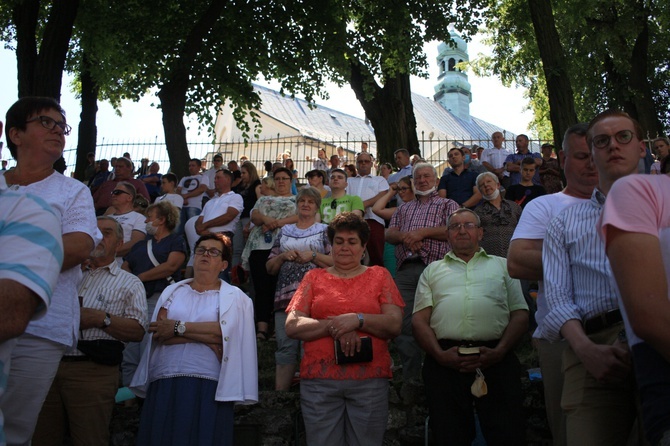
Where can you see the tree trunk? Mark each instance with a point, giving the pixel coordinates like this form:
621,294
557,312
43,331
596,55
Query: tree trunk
88,130
41,74
25,16
641,95
173,92
559,89
390,112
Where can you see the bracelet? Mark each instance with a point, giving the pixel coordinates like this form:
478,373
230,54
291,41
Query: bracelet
361,321
313,255
176,324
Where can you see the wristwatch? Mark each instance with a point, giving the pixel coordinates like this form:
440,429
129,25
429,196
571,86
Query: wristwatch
107,321
361,321
179,328
313,255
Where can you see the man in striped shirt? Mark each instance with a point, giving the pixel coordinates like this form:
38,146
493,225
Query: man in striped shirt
418,229
598,387
113,312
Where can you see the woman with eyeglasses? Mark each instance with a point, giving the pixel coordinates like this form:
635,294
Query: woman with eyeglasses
403,188
201,357
35,133
499,217
268,215
132,222
298,248
345,315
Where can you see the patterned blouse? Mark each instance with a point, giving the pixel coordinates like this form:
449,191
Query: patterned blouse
275,207
499,225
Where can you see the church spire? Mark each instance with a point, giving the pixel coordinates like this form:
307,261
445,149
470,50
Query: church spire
453,90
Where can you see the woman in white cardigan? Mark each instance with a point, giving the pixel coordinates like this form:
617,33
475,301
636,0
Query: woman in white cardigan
202,356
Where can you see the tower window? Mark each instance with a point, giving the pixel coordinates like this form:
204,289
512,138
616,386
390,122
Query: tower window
452,64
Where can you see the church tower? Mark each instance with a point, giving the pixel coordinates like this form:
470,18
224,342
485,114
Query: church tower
453,90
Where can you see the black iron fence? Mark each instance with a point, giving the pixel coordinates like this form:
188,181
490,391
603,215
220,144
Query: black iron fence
302,150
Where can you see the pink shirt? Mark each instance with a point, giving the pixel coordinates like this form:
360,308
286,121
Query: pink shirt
640,203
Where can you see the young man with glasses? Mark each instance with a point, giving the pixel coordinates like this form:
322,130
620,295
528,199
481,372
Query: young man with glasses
599,397
468,316
339,201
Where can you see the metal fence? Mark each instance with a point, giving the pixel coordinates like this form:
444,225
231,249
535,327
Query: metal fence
301,149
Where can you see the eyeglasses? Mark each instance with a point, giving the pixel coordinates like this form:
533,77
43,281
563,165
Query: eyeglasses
119,192
211,252
333,204
457,226
49,124
622,137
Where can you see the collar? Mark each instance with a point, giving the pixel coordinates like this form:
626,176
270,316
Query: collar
598,198
450,256
113,268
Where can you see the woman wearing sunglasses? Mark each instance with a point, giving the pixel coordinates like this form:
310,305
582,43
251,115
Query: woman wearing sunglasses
121,210
201,358
339,201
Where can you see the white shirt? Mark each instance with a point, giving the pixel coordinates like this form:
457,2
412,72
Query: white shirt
367,187
218,206
496,157
176,199
533,226
72,202
191,183
402,173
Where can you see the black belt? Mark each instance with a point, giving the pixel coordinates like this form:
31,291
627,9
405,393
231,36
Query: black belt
602,321
75,358
446,344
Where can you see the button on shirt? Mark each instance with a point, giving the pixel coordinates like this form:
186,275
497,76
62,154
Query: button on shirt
576,269
114,291
471,301
367,187
417,214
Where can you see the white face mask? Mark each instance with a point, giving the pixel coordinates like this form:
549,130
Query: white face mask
493,196
151,229
423,193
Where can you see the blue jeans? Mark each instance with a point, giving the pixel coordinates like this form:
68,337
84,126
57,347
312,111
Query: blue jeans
186,214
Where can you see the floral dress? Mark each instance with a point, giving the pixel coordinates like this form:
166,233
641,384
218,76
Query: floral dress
291,274
275,207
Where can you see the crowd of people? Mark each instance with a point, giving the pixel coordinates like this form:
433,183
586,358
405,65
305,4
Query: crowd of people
167,284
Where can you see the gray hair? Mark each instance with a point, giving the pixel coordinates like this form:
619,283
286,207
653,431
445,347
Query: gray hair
418,166
118,229
463,211
309,192
577,129
481,176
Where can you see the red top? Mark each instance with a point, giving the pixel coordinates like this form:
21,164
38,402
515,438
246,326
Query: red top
322,294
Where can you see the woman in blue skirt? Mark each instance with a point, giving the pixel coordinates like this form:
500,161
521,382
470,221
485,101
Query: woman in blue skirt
202,356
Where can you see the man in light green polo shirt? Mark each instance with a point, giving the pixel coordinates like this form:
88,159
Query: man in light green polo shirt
468,315
339,201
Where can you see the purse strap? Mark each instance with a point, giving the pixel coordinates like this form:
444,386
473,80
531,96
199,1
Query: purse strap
150,252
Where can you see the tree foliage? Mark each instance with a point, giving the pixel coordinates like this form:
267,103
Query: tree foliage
616,53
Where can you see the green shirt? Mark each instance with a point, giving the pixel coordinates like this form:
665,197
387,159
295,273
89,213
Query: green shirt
471,301
346,203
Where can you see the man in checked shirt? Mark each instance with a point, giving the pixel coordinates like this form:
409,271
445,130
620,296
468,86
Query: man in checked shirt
418,229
